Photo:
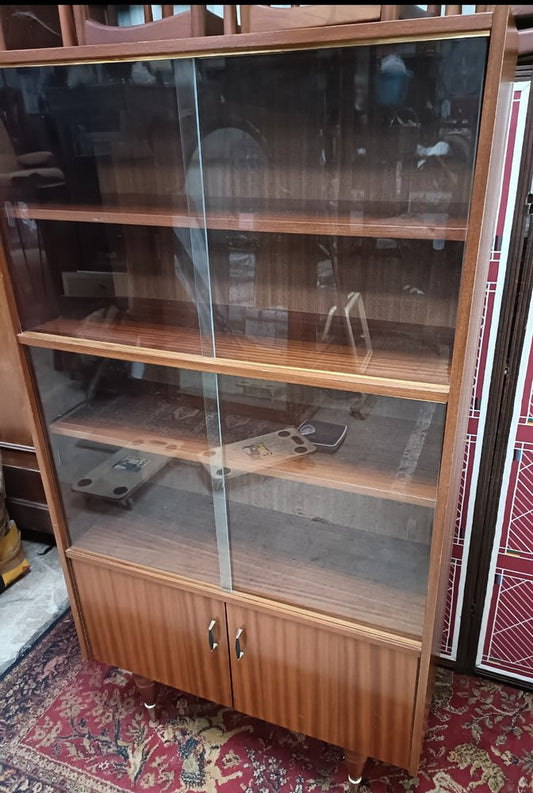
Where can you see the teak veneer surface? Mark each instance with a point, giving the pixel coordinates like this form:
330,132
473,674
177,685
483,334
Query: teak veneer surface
419,375
188,548
154,631
295,675
261,18
113,425
344,691
290,222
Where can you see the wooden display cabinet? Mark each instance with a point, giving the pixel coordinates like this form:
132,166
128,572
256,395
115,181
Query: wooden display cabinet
246,308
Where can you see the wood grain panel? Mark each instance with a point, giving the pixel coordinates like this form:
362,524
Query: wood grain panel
358,33
290,222
174,27
260,604
415,375
292,575
15,416
340,472
486,192
155,630
260,18
25,463
333,687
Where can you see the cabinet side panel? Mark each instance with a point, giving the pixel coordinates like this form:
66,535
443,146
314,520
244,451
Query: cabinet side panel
15,419
155,631
485,192
333,687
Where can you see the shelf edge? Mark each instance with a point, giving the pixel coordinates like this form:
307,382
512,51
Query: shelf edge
407,389
307,477
252,222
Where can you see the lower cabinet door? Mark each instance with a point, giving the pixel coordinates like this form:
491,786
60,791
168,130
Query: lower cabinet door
155,630
324,683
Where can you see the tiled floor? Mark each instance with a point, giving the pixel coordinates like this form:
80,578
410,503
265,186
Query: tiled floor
30,604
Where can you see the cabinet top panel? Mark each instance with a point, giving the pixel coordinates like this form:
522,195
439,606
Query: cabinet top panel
206,46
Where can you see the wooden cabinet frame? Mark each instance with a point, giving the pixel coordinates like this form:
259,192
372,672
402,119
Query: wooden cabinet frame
418,656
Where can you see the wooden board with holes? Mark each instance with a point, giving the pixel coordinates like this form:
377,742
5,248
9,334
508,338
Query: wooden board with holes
253,454
124,472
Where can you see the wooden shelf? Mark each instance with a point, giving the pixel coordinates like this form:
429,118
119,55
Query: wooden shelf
411,374
374,475
283,567
297,222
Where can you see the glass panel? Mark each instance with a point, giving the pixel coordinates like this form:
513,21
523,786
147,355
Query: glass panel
380,306
129,442
337,203
330,498
107,134
129,284
104,241
383,131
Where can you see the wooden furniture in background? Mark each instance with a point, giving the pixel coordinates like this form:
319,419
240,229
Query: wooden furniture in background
25,498
523,15
15,415
194,290
263,18
197,21
36,26
68,25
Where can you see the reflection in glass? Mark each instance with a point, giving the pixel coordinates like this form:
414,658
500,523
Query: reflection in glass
356,133
379,306
129,442
331,498
110,130
316,223
132,284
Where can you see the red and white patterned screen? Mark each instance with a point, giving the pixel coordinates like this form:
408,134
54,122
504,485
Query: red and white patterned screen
506,641
481,383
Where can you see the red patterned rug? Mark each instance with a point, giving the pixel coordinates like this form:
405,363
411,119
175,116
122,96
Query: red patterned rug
69,726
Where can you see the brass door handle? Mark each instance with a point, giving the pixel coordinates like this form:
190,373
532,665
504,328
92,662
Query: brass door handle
239,641
213,644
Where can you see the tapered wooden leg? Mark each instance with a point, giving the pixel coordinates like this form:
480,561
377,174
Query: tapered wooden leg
354,765
148,690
